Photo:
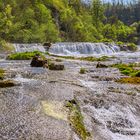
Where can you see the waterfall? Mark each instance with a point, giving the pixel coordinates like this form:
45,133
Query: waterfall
83,48
29,47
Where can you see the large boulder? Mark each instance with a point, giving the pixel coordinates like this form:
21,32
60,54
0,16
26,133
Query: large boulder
37,61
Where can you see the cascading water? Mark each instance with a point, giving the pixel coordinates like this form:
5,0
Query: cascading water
29,47
83,48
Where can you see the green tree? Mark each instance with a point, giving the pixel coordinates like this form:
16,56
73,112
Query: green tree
97,11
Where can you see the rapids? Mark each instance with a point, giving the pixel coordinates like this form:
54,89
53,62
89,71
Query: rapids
83,48
36,108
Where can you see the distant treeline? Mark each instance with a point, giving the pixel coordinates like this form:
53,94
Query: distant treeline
127,12
27,21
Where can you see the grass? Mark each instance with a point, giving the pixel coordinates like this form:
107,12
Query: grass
89,58
76,119
1,74
82,71
24,55
128,69
131,80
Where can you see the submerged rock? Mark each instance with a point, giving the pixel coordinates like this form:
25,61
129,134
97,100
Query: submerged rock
47,45
99,65
56,66
7,83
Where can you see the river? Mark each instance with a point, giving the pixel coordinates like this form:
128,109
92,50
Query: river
35,109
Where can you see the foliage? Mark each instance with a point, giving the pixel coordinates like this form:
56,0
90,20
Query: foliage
28,21
8,47
76,119
128,69
24,55
132,46
97,11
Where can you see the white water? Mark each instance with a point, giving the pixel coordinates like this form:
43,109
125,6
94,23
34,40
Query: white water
114,121
78,49
83,48
29,47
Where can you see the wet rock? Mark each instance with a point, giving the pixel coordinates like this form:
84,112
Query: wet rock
7,83
56,66
100,65
37,61
47,45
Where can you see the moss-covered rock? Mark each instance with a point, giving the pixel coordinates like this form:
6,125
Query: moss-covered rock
129,46
24,55
1,74
128,69
38,61
7,83
89,58
82,71
131,80
76,119
55,66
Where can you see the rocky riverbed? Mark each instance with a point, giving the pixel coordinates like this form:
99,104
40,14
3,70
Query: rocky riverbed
36,108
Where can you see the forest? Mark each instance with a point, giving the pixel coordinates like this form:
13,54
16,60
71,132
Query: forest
38,21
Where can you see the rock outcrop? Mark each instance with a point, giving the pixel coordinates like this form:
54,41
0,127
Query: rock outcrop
37,61
47,45
99,65
7,83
